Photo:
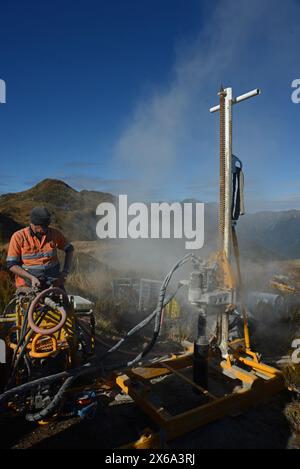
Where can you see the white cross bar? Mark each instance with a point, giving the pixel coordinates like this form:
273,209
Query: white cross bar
243,97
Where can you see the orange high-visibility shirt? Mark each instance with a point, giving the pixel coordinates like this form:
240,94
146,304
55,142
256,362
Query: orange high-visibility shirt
33,254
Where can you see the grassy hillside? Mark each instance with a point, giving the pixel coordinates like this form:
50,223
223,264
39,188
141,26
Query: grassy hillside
73,211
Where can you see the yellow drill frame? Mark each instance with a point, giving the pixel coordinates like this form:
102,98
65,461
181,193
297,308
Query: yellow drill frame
258,383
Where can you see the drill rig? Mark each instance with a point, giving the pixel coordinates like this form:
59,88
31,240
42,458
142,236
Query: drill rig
215,289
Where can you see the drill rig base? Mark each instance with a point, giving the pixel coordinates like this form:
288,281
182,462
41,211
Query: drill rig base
252,383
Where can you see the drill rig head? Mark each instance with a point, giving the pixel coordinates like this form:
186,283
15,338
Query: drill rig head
206,287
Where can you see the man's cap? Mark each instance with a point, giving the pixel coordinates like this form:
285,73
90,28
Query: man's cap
40,216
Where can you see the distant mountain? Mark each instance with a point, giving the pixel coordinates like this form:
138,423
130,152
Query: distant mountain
74,212
276,232
262,236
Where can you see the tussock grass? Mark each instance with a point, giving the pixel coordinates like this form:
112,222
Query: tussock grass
292,377
6,283
112,317
292,413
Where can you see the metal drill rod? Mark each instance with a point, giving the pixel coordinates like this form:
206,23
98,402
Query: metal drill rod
228,175
225,204
222,170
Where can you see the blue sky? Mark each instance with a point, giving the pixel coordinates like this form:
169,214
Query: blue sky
114,96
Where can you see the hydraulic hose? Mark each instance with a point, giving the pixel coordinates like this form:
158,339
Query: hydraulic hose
61,309
71,376
26,387
28,318
51,407
136,328
23,342
157,315
8,305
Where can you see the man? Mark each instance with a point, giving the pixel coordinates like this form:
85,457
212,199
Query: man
32,251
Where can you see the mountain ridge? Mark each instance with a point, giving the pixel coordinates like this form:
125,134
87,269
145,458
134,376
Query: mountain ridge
265,235
73,211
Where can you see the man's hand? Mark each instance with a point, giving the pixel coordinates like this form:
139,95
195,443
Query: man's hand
35,282
17,270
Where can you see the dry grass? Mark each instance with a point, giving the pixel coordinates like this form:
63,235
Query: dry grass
292,377
292,413
112,317
6,283
292,410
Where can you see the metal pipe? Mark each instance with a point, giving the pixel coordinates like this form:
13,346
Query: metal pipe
215,108
200,359
224,334
246,330
243,97
257,298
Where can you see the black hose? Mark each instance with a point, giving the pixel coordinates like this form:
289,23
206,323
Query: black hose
22,336
23,331
136,328
157,314
23,350
24,388
14,298
51,407
72,375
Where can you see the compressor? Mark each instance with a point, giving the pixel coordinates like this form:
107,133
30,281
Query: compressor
42,337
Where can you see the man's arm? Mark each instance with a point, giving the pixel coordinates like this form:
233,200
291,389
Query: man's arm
63,244
17,270
68,260
13,261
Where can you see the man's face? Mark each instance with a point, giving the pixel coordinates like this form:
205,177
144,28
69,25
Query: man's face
39,229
